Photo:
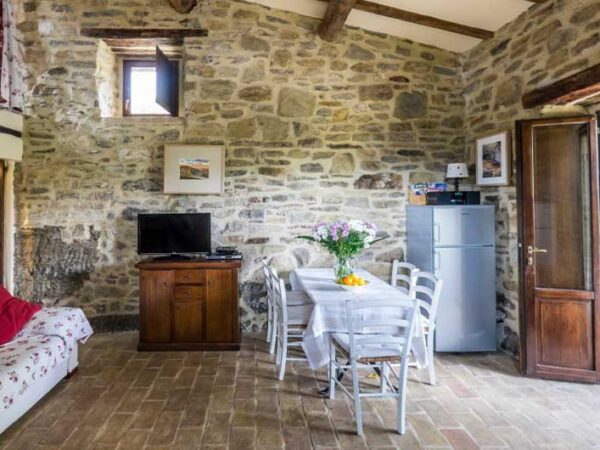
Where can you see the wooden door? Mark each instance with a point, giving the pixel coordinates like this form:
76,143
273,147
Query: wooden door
221,306
156,292
558,214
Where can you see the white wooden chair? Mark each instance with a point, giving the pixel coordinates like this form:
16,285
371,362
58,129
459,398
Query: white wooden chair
426,289
380,349
270,300
294,298
291,323
402,276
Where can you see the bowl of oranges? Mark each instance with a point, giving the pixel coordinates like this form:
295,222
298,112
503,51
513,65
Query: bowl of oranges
352,281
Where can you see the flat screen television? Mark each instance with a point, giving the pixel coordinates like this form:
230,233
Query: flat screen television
173,234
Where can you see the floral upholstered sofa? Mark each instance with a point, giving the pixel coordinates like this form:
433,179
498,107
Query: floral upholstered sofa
37,358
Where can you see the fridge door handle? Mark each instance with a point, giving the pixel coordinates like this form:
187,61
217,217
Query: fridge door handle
436,263
436,233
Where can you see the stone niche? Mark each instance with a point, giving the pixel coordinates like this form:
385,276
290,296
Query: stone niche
110,54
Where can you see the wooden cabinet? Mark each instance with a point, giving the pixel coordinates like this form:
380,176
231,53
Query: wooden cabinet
155,288
189,305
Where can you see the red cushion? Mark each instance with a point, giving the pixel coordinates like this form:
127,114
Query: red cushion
14,314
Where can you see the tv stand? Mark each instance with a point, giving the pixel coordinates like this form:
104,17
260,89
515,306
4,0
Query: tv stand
173,257
189,304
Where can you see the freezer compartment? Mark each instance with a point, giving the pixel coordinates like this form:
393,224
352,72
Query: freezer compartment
463,225
466,318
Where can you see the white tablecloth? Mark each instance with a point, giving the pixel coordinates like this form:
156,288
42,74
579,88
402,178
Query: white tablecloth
329,312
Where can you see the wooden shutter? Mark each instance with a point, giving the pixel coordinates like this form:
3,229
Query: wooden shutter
167,83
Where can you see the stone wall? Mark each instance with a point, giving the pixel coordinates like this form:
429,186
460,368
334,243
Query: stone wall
312,130
547,43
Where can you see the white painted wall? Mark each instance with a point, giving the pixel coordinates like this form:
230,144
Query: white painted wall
11,150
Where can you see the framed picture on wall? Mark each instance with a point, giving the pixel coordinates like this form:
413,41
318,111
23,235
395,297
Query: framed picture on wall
493,160
193,169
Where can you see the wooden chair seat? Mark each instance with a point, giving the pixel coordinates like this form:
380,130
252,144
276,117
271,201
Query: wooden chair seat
340,341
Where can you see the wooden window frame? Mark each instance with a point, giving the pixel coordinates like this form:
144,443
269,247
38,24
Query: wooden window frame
128,65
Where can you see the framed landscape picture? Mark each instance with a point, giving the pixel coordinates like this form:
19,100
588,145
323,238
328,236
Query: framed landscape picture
194,169
493,160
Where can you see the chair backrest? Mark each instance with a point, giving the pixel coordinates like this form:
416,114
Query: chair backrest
268,280
393,319
427,288
279,296
402,276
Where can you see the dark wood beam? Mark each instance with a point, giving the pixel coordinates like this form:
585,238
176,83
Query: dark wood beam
143,33
572,89
10,131
420,19
335,18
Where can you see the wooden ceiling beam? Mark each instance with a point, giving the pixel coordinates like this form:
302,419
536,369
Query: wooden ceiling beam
420,19
143,33
572,89
335,18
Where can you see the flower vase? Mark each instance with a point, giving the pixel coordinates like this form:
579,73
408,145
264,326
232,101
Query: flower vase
343,267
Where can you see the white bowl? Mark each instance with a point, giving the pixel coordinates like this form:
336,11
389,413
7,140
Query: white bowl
352,288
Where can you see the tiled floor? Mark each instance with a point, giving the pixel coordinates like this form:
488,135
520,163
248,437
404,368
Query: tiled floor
128,400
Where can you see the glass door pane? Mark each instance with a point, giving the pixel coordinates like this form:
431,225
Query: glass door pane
562,207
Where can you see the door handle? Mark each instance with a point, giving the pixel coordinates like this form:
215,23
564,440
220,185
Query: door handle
436,263
531,250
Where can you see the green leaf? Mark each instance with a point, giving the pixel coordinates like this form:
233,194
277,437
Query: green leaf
308,238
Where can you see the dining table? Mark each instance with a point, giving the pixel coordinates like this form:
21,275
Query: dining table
329,314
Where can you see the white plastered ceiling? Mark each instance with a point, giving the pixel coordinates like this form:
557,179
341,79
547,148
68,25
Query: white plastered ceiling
486,14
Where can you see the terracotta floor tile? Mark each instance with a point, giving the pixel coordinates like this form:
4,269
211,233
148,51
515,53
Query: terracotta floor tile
165,428
459,439
126,399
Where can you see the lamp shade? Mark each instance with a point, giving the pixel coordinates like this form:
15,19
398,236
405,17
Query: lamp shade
457,170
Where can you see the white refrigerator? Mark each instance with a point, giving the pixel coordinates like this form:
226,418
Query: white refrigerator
457,243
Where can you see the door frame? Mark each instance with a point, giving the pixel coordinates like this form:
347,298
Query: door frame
3,173
595,202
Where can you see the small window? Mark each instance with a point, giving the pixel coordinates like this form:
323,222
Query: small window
151,88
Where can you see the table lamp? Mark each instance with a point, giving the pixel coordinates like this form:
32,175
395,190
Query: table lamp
457,171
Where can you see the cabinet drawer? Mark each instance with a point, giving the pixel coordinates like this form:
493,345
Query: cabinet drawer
189,292
189,276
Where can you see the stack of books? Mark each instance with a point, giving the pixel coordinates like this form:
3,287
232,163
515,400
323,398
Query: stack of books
418,191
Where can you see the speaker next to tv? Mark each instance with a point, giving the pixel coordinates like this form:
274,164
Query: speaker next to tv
454,198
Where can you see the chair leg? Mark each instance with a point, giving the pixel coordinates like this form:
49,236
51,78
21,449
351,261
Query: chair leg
269,321
284,343
274,327
279,349
401,414
332,370
430,361
383,375
356,393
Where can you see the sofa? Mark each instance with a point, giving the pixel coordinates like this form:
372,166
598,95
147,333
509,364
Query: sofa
42,354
